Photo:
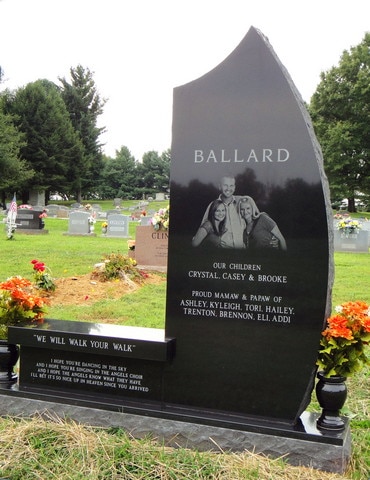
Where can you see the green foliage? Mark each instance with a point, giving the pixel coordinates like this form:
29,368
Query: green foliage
341,117
19,304
42,277
124,177
118,179
84,105
153,174
55,131
51,142
116,265
15,173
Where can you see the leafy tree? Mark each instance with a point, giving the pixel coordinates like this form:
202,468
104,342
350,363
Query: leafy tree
52,145
118,178
154,173
14,172
341,117
84,105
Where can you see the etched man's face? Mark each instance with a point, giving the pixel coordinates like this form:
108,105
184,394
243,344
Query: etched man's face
227,187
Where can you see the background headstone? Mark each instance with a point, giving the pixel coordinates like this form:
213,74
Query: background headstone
118,225
29,220
151,247
37,197
78,223
357,242
52,210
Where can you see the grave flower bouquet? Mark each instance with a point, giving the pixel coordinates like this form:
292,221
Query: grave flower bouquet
19,304
342,345
349,226
42,276
161,219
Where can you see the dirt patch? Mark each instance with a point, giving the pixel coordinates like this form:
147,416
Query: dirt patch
82,289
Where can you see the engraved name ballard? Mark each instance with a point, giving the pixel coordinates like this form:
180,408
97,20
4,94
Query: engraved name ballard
264,155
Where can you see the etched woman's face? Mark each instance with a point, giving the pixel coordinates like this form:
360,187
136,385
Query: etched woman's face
220,212
246,211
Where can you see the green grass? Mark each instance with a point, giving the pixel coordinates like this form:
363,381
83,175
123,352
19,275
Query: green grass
65,255
144,307
352,277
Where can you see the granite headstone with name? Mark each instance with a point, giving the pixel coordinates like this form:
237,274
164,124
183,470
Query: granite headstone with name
30,221
79,223
151,247
118,225
247,307
356,242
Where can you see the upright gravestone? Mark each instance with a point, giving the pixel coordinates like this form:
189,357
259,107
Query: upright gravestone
79,223
151,247
30,221
247,316
118,225
354,242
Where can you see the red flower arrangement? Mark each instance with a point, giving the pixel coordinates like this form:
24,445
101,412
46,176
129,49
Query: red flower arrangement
43,279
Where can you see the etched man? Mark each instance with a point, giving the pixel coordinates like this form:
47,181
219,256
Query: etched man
233,229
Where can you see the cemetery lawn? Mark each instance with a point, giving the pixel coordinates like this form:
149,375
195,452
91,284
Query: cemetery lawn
52,448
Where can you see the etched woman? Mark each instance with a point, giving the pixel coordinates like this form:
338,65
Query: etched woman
260,230
214,227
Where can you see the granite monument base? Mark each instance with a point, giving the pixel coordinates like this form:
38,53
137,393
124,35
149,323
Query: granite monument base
303,445
84,370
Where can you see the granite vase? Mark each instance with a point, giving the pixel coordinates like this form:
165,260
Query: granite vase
9,355
331,393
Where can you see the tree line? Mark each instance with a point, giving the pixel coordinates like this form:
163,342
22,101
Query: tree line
50,141
49,138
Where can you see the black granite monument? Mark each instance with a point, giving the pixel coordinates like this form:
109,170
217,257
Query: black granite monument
248,287
246,308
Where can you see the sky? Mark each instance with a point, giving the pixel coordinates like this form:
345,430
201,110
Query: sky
140,50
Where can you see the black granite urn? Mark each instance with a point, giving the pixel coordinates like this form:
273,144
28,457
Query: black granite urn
9,355
331,393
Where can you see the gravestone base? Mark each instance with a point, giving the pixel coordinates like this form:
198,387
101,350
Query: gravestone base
32,231
93,234
300,446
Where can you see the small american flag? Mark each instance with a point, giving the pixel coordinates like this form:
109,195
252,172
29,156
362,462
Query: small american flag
13,205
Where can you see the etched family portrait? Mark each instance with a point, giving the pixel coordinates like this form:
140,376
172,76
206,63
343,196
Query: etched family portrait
235,221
